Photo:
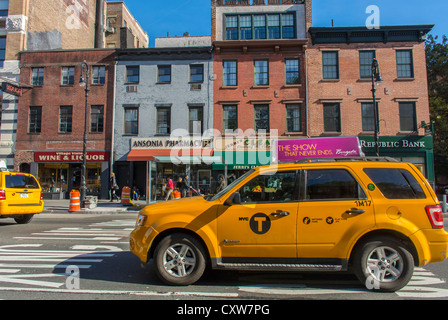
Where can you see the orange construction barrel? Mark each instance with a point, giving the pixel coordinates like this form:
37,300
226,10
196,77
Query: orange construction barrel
126,196
177,195
75,201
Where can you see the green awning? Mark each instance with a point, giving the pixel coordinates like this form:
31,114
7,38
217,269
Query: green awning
241,160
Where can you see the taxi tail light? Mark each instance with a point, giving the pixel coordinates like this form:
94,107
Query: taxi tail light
435,215
41,195
2,194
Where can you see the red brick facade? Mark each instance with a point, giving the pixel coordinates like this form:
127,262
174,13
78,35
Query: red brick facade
52,94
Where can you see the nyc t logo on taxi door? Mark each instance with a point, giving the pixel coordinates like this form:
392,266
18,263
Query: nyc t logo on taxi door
260,223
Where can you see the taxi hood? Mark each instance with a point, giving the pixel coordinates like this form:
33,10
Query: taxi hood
193,204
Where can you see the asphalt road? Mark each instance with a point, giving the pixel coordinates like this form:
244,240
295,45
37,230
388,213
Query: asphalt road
86,257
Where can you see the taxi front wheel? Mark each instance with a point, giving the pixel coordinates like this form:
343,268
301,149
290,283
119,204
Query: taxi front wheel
179,260
384,264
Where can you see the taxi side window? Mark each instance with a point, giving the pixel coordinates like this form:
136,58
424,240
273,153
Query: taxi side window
396,183
331,184
279,187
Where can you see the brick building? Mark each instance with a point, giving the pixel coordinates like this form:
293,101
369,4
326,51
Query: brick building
340,101
51,119
260,68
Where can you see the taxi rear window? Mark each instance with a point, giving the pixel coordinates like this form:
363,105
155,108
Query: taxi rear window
21,181
396,183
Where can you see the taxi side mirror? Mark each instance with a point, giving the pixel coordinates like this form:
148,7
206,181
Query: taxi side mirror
233,199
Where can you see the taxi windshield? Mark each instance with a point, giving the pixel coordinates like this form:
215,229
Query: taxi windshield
230,186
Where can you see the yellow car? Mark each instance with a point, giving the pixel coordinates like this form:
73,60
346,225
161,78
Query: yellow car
20,196
377,218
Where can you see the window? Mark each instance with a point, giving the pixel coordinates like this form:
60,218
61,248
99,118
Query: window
288,26
230,118
65,119
230,73
20,181
68,76
408,121
260,26
396,183
261,118
330,62
131,120
2,50
37,76
232,27
164,74
368,117
293,123
245,27
133,74
279,187
261,72
331,184
292,71
98,75
35,120
196,120
163,121
197,73
274,26
405,66
332,117
96,119
365,63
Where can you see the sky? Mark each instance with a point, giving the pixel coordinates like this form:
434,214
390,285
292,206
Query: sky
174,18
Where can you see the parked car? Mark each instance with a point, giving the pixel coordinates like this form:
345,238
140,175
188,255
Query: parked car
20,196
376,218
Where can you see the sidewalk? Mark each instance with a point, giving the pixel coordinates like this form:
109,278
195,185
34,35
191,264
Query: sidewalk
104,207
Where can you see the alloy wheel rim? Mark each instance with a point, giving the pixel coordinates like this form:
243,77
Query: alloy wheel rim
179,260
385,264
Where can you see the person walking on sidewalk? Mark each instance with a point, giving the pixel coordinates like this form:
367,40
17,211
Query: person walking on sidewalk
113,187
169,189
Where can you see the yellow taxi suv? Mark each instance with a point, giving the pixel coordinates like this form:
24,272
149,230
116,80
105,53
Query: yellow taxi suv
20,196
375,217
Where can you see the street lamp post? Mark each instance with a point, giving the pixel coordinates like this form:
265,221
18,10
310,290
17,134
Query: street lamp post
84,82
376,77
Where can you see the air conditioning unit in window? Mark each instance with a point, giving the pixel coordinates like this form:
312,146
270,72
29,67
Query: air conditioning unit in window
131,88
196,87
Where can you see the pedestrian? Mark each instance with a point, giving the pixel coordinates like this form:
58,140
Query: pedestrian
222,184
187,187
169,188
113,187
135,194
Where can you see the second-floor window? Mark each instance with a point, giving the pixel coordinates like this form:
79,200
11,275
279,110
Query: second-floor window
330,63
292,71
133,74
35,120
405,65
96,119
164,74
131,120
332,117
261,72
197,73
230,73
98,75
65,119
365,63
260,26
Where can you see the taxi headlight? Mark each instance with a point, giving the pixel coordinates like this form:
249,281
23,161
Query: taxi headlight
141,220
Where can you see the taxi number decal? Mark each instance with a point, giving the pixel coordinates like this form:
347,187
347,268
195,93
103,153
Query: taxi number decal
260,223
363,203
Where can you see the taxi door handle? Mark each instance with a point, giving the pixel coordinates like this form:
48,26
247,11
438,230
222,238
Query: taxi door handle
280,213
355,211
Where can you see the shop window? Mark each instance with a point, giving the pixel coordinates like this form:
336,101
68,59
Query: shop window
53,177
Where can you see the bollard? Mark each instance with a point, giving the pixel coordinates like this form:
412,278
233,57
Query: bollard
75,201
444,203
177,194
126,196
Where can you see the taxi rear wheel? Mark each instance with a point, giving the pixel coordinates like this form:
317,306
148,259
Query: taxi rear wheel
384,264
23,219
179,260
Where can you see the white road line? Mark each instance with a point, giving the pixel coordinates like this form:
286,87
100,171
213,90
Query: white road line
83,239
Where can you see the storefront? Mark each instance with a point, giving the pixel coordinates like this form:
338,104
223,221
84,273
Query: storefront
417,150
60,172
167,158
